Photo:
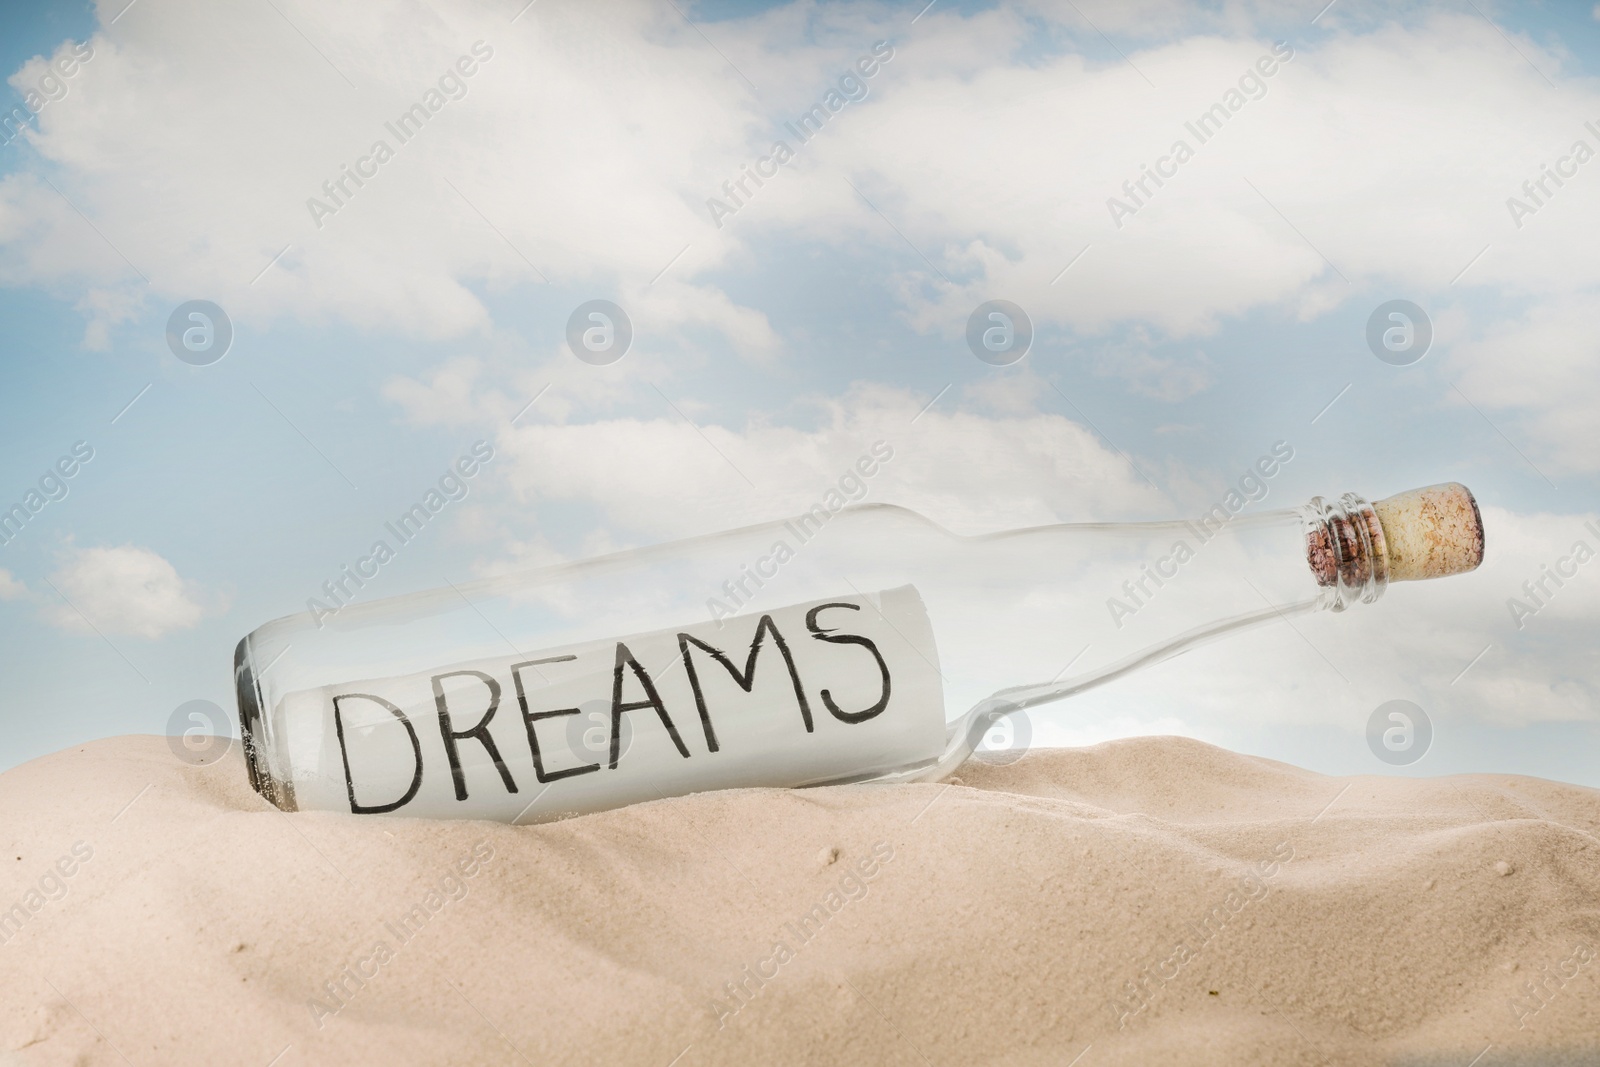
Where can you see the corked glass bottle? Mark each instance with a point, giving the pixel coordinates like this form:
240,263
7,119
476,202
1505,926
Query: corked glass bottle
860,644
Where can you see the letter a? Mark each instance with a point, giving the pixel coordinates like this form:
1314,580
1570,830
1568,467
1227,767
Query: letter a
1518,209
718,210
1118,210
318,209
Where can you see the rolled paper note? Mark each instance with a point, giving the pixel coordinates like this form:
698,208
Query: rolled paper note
1431,532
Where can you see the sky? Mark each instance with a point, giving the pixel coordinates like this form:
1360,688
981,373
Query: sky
178,151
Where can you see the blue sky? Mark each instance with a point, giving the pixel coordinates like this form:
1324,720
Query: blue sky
376,348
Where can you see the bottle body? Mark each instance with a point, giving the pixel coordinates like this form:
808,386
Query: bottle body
751,657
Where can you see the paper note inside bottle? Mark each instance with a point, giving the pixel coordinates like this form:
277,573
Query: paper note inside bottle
814,692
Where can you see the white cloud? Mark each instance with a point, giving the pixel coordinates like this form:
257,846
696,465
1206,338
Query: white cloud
1158,377
1341,131
10,587
1541,368
662,476
645,138
123,590
567,155
587,146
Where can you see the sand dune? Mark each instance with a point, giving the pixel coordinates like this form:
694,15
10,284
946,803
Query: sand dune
1143,902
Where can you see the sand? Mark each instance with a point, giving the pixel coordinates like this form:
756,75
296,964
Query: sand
1147,901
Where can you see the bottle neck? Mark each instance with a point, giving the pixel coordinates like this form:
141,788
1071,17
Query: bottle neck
1346,550
1348,557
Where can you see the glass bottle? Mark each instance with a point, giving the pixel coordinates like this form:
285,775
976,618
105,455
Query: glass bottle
863,643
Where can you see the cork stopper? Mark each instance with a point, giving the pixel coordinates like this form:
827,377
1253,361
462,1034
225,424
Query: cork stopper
1431,532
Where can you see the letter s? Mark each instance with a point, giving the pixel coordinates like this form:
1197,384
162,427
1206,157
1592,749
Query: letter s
884,851
883,450
84,51
1283,450
883,50
83,451
83,851
1283,50
482,51
483,450
849,639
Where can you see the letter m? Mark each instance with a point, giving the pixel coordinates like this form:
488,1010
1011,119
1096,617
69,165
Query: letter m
18,514
418,516
811,923
1216,116
818,115
417,115
745,679
20,117
1215,519
15,919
